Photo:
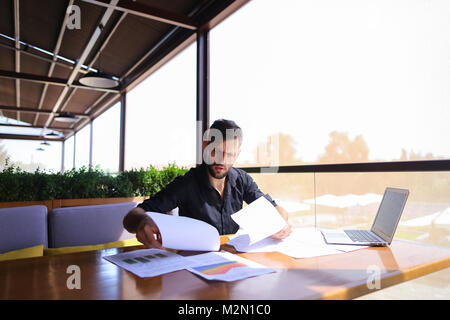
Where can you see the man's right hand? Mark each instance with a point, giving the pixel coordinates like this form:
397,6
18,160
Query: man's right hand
148,233
137,221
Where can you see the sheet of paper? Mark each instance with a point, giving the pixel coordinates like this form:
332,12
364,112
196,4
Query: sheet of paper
149,262
302,243
259,219
185,233
225,266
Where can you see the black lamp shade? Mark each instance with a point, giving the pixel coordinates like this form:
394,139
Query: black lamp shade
66,117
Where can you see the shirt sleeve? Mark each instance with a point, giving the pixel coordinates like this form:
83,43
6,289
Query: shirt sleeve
252,192
167,199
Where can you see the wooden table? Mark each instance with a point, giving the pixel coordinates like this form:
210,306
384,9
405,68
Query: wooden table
342,276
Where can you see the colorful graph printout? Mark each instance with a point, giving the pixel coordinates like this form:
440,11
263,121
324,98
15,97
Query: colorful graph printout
224,266
219,268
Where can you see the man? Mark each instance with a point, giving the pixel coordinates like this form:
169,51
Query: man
211,192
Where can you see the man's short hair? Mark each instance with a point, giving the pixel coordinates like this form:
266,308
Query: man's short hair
228,128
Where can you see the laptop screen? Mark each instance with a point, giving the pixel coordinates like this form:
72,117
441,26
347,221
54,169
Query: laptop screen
389,213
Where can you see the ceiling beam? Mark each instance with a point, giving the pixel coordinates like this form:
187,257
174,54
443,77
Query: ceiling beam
149,12
35,110
176,40
160,53
97,55
38,56
84,55
32,77
17,53
35,127
55,52
27,137
50,80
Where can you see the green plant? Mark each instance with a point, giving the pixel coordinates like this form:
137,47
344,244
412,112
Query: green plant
19,185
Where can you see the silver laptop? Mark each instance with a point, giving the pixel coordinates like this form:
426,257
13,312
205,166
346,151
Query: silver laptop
384,225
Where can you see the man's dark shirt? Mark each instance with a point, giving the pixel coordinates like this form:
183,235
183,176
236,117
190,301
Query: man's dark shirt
196,198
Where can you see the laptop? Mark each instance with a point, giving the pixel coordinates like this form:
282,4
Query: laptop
383,227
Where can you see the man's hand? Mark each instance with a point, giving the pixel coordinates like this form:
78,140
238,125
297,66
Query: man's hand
286,231
148,233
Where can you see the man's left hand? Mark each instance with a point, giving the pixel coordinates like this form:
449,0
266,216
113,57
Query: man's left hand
283,233
286,231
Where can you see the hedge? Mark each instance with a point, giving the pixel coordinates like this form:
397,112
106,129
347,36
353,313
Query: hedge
19,185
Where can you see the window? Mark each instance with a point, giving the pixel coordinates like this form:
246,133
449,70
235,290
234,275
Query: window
161,113
340,82
68,153
106,137
82,143
334,81
24,154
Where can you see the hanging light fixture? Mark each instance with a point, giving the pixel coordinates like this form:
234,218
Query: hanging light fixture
45,143
52,134
40,149
66,117
99,80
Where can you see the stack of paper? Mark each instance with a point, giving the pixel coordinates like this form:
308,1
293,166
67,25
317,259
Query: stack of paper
259,220
301,243
184,233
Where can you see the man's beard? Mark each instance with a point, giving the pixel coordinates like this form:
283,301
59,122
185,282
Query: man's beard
217,175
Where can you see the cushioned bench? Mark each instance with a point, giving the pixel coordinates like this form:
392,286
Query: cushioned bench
23,227
88,225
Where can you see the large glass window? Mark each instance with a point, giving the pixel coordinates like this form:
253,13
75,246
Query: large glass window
82,143
161,113
335,81
68,153
106,138
340,82
31,155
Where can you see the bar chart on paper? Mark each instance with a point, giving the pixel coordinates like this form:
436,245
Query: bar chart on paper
149,262
144,259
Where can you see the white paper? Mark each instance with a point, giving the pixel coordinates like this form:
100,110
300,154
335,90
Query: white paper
225,266
185,233
301,243
212,265
149,262
259,219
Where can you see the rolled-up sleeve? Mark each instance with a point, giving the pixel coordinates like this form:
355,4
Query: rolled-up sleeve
252,192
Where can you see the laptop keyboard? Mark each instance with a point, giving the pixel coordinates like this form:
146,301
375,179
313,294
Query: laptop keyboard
362,236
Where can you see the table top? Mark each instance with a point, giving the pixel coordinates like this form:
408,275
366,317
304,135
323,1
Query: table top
340,276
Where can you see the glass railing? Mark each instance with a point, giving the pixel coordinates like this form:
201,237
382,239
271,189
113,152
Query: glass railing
343,199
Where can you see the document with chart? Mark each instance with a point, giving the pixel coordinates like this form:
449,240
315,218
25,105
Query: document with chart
149,262
224,266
